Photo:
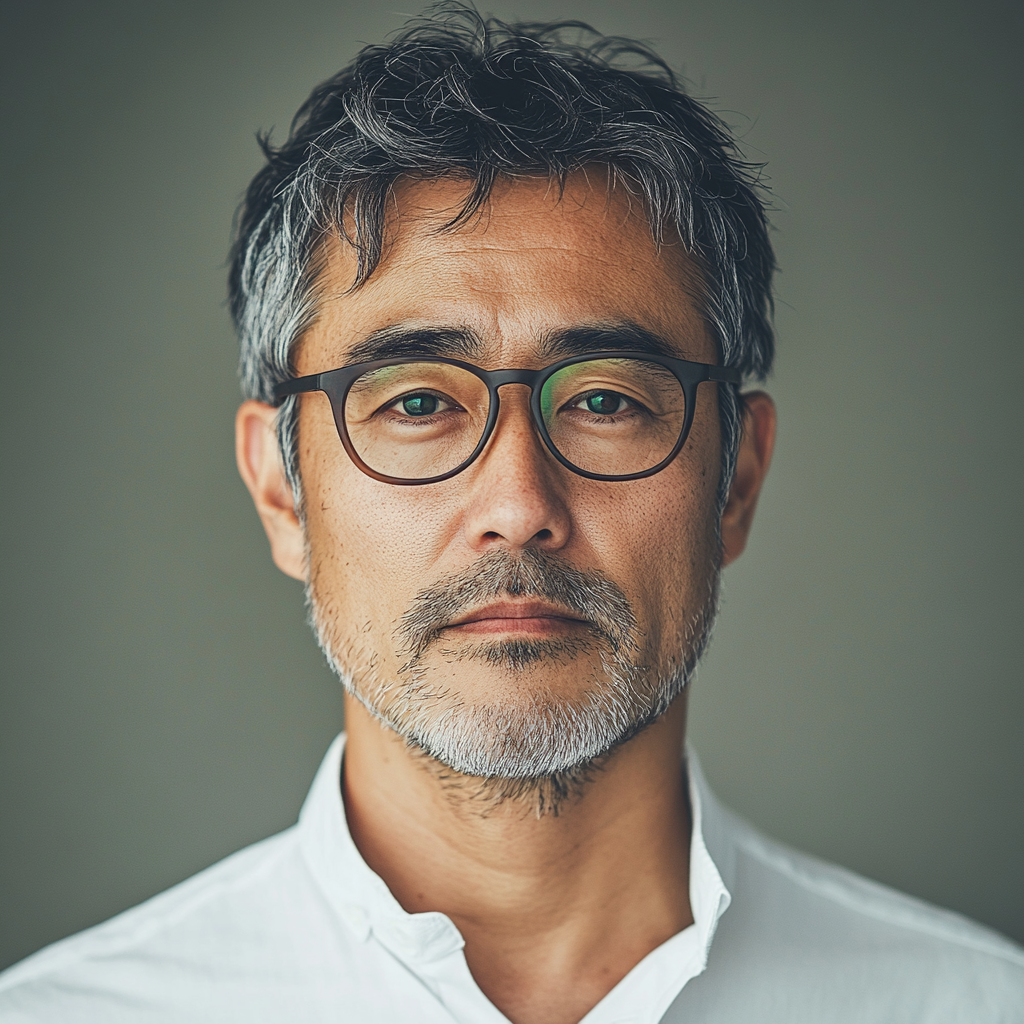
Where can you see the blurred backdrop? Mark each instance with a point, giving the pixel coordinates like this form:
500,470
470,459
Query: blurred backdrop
163,703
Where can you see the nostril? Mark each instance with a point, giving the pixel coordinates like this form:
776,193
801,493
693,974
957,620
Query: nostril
542,535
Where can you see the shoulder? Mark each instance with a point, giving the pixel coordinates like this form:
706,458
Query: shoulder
864,904
113,970
830,938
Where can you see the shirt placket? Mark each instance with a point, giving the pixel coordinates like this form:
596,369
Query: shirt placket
430,947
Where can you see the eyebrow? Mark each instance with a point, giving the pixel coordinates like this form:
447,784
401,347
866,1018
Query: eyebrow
396,342
461,343
604,337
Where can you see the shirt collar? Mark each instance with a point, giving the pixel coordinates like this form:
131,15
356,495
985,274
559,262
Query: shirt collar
358,894
362,900
712,855
646,993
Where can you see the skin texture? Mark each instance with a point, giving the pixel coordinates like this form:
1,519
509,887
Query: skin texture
555,909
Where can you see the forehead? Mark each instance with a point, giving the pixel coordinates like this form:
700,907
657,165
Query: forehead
536,260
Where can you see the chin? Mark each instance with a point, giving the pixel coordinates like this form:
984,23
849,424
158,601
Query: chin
517,710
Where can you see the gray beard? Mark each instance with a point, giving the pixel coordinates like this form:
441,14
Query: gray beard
542,746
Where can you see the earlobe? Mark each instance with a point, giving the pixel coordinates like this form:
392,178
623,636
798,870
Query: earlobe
260,466
752,461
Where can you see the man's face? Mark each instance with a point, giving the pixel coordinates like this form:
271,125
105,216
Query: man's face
444,605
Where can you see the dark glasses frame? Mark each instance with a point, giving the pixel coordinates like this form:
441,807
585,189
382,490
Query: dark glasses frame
336,384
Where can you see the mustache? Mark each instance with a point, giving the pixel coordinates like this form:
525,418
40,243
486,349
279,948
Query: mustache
590,596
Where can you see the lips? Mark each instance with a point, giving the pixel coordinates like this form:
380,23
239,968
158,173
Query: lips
517,617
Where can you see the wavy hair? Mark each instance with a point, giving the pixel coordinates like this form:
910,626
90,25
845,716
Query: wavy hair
460,95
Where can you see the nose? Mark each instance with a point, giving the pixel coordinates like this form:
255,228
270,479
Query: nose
517,491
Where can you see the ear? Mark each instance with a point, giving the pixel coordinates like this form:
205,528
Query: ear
752,463
259,462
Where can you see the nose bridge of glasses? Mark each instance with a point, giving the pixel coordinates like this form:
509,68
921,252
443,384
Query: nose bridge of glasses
499,378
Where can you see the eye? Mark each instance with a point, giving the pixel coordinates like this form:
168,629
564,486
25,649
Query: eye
603,403
419,405
423,403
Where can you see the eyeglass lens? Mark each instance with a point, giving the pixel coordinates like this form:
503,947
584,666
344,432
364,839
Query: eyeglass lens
614,417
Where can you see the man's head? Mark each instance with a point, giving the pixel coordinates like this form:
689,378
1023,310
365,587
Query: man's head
494,195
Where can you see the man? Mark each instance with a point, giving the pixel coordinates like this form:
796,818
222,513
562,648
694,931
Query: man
496,296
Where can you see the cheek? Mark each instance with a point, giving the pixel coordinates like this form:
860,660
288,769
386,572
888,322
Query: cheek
372,545
657,537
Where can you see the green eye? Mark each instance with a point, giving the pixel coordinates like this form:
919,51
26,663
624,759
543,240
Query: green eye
604,402
420,405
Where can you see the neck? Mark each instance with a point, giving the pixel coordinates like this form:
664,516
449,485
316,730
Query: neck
555,908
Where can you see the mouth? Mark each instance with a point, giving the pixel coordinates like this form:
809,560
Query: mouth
522,618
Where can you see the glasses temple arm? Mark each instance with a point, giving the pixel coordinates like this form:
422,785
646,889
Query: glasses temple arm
297,385
725,374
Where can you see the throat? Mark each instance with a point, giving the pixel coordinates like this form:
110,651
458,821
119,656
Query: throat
555,908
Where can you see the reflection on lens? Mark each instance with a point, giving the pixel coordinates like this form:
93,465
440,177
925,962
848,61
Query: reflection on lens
417,420
612,417
615,417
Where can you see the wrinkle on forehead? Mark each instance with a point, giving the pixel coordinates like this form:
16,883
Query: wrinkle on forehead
430,205
533,258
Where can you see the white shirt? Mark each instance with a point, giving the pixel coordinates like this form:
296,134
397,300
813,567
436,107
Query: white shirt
298,929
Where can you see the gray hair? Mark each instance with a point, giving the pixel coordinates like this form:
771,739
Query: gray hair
455,94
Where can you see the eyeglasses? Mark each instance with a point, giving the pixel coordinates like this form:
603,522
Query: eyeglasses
604,415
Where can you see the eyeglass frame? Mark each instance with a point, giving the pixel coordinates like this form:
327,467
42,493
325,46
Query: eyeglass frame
337,383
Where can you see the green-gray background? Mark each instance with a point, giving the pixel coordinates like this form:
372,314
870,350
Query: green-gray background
162,701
